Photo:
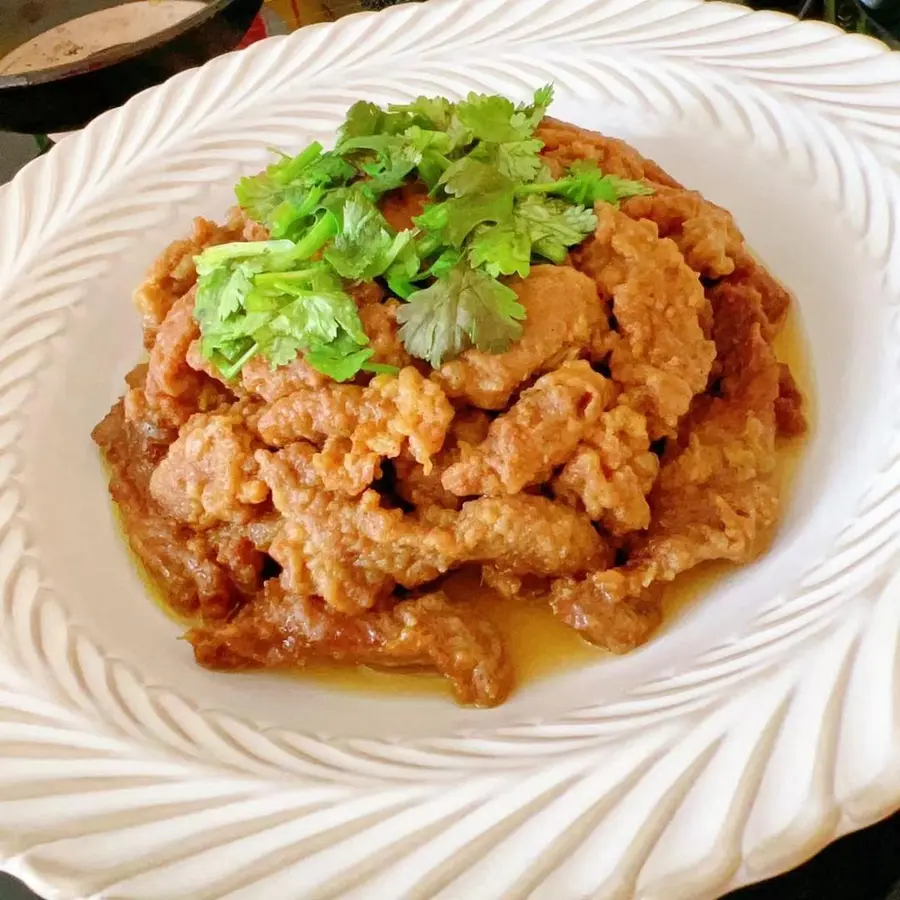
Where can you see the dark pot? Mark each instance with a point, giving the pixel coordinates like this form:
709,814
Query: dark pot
68,96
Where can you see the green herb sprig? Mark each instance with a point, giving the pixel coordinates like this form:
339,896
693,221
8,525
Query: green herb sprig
493,209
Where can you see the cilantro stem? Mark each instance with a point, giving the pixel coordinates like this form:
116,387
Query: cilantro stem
547,187
266,278
298,164
230,372
316,238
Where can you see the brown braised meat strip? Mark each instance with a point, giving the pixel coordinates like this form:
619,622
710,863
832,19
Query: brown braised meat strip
173,273
662,358
612,471
528,534
283,630
704,233
424,490
173,390
789,413
187,564
562,314
209,475
715,497
540,432
565,143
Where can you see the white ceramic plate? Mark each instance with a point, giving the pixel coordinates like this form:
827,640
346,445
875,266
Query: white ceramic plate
756,728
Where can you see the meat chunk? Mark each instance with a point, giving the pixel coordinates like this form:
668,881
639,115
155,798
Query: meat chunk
401,206
563,312
283,630
607,610
424,490
173,390
259,378
774,297
789,413
351,552
529,535
186,563
662,358
359,426
704,233
311,414
539,433
565,143
173,273
209,474
612,472
380,324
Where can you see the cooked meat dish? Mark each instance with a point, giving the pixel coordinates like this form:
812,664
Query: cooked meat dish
599,418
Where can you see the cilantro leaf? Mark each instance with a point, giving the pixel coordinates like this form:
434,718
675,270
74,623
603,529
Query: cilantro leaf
553,225
340,359
465,308
429,112
517,160
493,118
362,119
289,190
503,249
586,185
365,246
479,193
540,103
261,299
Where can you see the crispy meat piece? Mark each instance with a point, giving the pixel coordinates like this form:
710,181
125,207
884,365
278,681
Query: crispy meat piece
563,313
565,143
396,413
259,378
774,297
312,414
401,206
173,391
704,233
612,472
424,490
186,563
539,433
403,409
209,474
603,609
662,357
529,535
714,498
380,323
368,423
351,552
789,414
283,630
173,273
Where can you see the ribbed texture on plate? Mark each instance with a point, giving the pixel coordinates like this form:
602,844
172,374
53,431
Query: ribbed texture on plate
728,771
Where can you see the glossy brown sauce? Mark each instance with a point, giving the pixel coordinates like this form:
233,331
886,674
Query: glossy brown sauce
539,644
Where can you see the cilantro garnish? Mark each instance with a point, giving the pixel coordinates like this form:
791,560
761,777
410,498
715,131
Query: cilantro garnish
494,208
466,308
